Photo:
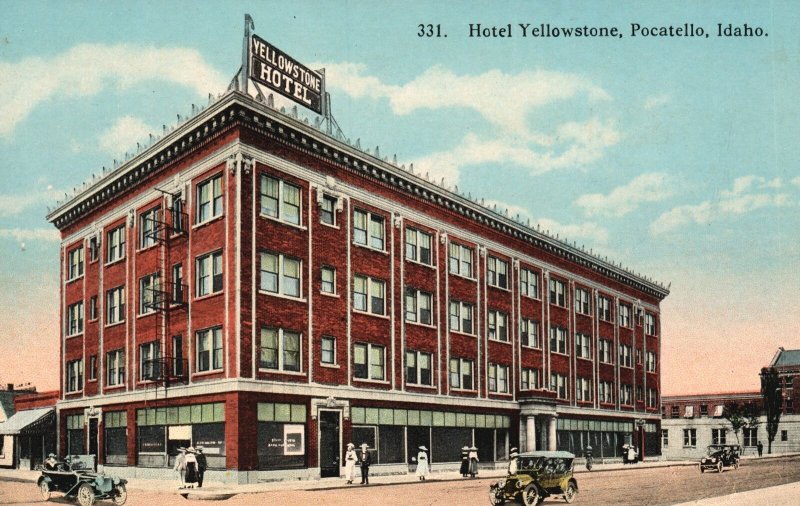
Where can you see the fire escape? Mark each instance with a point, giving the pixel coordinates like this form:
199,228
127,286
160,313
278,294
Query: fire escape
166,295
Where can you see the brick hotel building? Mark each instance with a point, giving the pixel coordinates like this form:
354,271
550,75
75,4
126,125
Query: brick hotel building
252,285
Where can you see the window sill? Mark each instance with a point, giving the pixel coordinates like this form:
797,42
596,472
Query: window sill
209,220
298,226
208,296
282,296
207,373
90,320
559,353
114,324
504,394
536,298
328,294
458,275
365,313
492,340
282,372
367,247
528,347
330,225
417,385
145,248
589,315
112,262
460,333
423,325
626,367
74,335
585,359
422,264
376,382
70,281
74,392
504,289
91,380
562,306
330,366
113,387
463,390
144,315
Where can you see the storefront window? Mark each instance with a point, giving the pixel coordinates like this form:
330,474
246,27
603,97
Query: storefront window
281,434
75,435
161,431
116,439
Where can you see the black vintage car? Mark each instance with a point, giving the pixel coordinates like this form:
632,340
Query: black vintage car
539,475
721,456
72,478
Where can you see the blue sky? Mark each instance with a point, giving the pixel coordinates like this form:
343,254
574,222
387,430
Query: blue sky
675,156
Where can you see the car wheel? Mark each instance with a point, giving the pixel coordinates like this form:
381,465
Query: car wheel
570,493
494,500
120,494
702,469
531,495
44,490
85,495
719,466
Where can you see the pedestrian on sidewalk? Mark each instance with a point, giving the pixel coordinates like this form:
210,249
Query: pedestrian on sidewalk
191,468
180,466
760,448
625,449
473,461
422,464
202,465
512,461
350,459
464,462
633,454
364,461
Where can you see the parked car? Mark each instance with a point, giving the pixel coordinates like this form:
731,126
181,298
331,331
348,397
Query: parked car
721,456
72,478
539,475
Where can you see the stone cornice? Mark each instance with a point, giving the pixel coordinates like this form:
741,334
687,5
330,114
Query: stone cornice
236,108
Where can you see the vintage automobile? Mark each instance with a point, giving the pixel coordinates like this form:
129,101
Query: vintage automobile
73,478
539,475
720,456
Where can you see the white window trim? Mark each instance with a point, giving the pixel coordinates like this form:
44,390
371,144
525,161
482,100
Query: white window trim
335,200
146,216
497,314
558,382
212,216
335,362
559,333
79,319
79,263
155,279
497,368
555,284
322,281
418,247
624,316
119,316
281,259
368,357
604,312
461,374
419,369
527,374
200,258
531,324
628,364
281,203
153,345
461,308
461,249
76,367
626,395
417,295
210,333
119,233
583,384
580,338
117,355
368,311
525,276
281,365
497,263
583,297
610,350
368,244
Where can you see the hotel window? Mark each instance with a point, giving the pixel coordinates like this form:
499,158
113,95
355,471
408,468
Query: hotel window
704,410
558,340
651,362
530,379
529,333
625,355
461,373
558,384
497,274
583,390
625,395
674,412
148,293
115,244
328,280
460,260
418,246
750,436
75,260
689,438
148,227
652,398
209,349
624,315
328,350
664,438
209,273
93,307
177,355
209,199
497,327
280,350
368,361
177,284
639,356
327,212
92,376
74,380
718,436
582,305
418,368
558,290
418,306
369,295
115,361
93,249
605,392
604,308
148,354
583,348
75,319
178,217
604,350
280,274
461,317
115,305
529,283
280,200
639,393
784,435
368,229
498,378
650,324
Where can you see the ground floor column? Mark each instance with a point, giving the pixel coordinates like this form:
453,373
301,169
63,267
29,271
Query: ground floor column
551,433
530,433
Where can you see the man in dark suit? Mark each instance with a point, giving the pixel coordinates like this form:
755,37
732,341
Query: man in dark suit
364,461
202,465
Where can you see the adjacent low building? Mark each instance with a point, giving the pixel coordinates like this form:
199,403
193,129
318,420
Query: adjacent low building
27,427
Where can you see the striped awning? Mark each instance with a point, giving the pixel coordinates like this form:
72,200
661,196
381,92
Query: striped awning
30,421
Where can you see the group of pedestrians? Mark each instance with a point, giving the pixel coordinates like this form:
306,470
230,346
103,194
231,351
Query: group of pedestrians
191,465
362,459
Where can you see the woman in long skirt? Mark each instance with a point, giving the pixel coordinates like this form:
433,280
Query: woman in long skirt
473,461
423,469
191,468
350,459
464,470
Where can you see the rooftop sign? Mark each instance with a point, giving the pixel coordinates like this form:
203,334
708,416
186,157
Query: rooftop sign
280,72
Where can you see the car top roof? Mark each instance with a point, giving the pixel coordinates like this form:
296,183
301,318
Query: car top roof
549,455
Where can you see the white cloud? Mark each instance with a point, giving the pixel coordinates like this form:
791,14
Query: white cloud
655,101
126,131
650,187
748,193
88,69
11,204
35,234
796,181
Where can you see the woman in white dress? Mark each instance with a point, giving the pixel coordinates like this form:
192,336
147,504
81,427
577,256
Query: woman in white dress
423,469
350,459
473,461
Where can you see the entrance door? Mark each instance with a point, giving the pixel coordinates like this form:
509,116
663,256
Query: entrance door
36,450
93,437
329,443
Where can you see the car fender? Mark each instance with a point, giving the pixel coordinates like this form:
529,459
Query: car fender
44,478
574,482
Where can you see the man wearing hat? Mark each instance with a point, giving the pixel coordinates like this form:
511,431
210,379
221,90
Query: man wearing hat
464,470
350,459
202,465
512,461
364,461
422,464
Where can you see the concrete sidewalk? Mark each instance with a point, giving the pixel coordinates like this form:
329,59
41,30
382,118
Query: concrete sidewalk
788,494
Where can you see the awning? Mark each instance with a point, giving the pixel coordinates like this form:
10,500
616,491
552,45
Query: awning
29,421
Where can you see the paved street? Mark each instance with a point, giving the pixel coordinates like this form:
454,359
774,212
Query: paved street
652,486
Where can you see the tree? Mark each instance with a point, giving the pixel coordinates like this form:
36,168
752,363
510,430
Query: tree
735,414
772,394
